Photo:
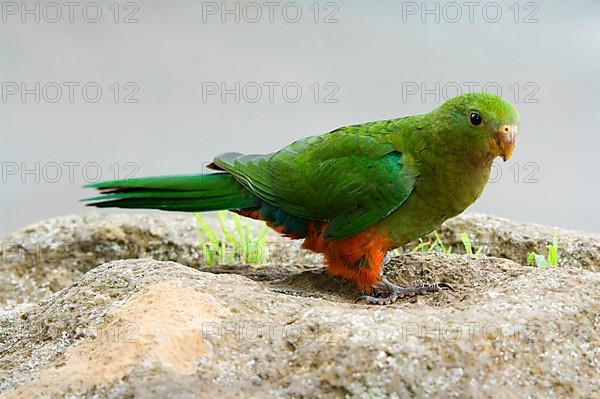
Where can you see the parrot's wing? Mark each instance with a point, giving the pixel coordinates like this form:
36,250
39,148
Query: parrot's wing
348,177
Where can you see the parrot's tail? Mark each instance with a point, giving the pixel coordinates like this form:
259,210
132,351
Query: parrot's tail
197,193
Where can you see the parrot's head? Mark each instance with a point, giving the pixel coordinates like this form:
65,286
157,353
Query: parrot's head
481,123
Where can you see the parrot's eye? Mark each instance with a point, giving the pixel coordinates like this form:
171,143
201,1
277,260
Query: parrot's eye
475,118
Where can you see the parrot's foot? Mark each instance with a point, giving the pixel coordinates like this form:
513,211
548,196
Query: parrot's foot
386,293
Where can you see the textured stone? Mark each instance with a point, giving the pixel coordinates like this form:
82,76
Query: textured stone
506,238
154,329
72,325
50,255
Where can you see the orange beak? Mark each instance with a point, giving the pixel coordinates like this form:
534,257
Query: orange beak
505,140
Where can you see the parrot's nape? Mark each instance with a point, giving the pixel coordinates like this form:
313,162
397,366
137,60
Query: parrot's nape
352,194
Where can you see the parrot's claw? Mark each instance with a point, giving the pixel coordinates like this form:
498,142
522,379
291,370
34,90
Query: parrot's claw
386,293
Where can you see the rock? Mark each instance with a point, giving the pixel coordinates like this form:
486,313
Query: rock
150,329
73,325
50,255
505,238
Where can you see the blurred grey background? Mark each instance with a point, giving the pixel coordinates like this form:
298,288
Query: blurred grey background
135,88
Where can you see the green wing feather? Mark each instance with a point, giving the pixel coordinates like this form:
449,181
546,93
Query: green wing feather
352,177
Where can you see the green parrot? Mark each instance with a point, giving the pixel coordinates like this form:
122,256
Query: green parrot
352,194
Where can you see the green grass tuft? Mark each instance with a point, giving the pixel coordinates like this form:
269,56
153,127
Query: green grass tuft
541,261
436,244
241,245
466,241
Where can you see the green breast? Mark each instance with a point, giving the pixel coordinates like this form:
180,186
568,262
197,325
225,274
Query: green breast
441,193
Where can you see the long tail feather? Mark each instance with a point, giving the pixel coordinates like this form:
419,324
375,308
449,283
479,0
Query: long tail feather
194,193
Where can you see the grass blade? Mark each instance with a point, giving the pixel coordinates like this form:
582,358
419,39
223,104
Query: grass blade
199,232
238,225
553,252
222,220
247,233
464,237
262,234
419,246
260,242
206,229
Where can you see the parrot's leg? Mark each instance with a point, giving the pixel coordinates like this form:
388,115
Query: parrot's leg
387,258
361,258
386,293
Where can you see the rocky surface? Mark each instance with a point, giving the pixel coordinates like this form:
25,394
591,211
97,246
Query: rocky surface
506,238
159,329
73,325
50,255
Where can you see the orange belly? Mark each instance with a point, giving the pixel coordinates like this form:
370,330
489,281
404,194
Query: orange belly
357,258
